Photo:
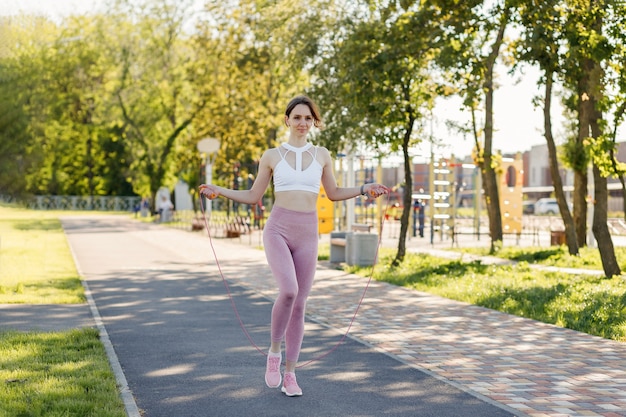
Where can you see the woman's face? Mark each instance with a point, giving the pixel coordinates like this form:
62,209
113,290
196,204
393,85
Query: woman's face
300,120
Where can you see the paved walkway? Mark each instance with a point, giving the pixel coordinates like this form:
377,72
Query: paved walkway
167,315
524,367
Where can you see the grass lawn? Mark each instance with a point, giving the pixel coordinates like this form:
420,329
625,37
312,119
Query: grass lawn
36,265
48,373
56,374
588,258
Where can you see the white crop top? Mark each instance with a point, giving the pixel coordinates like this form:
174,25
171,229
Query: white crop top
288,178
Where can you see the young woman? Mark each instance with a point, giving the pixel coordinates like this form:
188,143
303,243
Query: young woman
290,236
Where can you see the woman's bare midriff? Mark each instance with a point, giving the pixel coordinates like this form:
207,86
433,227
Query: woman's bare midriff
296,200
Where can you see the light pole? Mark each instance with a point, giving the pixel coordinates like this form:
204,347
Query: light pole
208,147
350,182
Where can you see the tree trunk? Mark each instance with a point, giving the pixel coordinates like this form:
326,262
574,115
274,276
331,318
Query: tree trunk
619,114
492,196
568,221
580,163
407,197
600,227
490,181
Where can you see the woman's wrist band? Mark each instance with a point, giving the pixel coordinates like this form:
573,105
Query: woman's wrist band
362,191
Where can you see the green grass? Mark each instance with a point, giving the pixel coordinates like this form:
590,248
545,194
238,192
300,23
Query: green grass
323,252
36,265
588,258
592,305
56,374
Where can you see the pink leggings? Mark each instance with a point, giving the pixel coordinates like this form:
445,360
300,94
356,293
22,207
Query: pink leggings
290,240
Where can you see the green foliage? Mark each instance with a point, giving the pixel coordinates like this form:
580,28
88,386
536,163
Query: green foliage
576,155
158,93
116,103
375,85
603,153
253,58
17,75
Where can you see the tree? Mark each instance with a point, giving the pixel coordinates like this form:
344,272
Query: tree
541,43
616,97
469,52
74,72
256,52
24,80
14,158
589,50
59,90
155,92
377,89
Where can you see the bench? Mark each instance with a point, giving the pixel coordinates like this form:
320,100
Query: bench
239,226
197,224
164,216
222,226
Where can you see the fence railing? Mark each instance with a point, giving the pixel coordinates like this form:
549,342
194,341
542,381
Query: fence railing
72,202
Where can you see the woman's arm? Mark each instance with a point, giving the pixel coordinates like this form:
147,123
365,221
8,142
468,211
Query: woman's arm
336,193
251,196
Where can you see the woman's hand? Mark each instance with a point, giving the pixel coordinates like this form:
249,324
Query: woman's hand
209,191
375,190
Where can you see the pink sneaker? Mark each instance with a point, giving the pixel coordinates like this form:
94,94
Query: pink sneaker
272,370
290,385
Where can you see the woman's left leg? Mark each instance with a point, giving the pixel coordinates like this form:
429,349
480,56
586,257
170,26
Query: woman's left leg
305,261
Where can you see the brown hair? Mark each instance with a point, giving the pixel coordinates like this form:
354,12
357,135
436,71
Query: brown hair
302,99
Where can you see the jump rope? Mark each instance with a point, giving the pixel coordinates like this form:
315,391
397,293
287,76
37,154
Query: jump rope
236,311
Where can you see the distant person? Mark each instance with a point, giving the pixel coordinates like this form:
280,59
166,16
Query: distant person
145,207
136,209
165,209
421,216
290,236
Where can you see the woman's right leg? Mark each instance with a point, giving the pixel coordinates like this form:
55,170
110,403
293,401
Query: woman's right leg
281,264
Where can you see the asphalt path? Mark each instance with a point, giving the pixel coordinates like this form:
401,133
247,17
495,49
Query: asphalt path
183,353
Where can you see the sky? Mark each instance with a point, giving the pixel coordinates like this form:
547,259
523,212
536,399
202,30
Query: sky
52,8
518,125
